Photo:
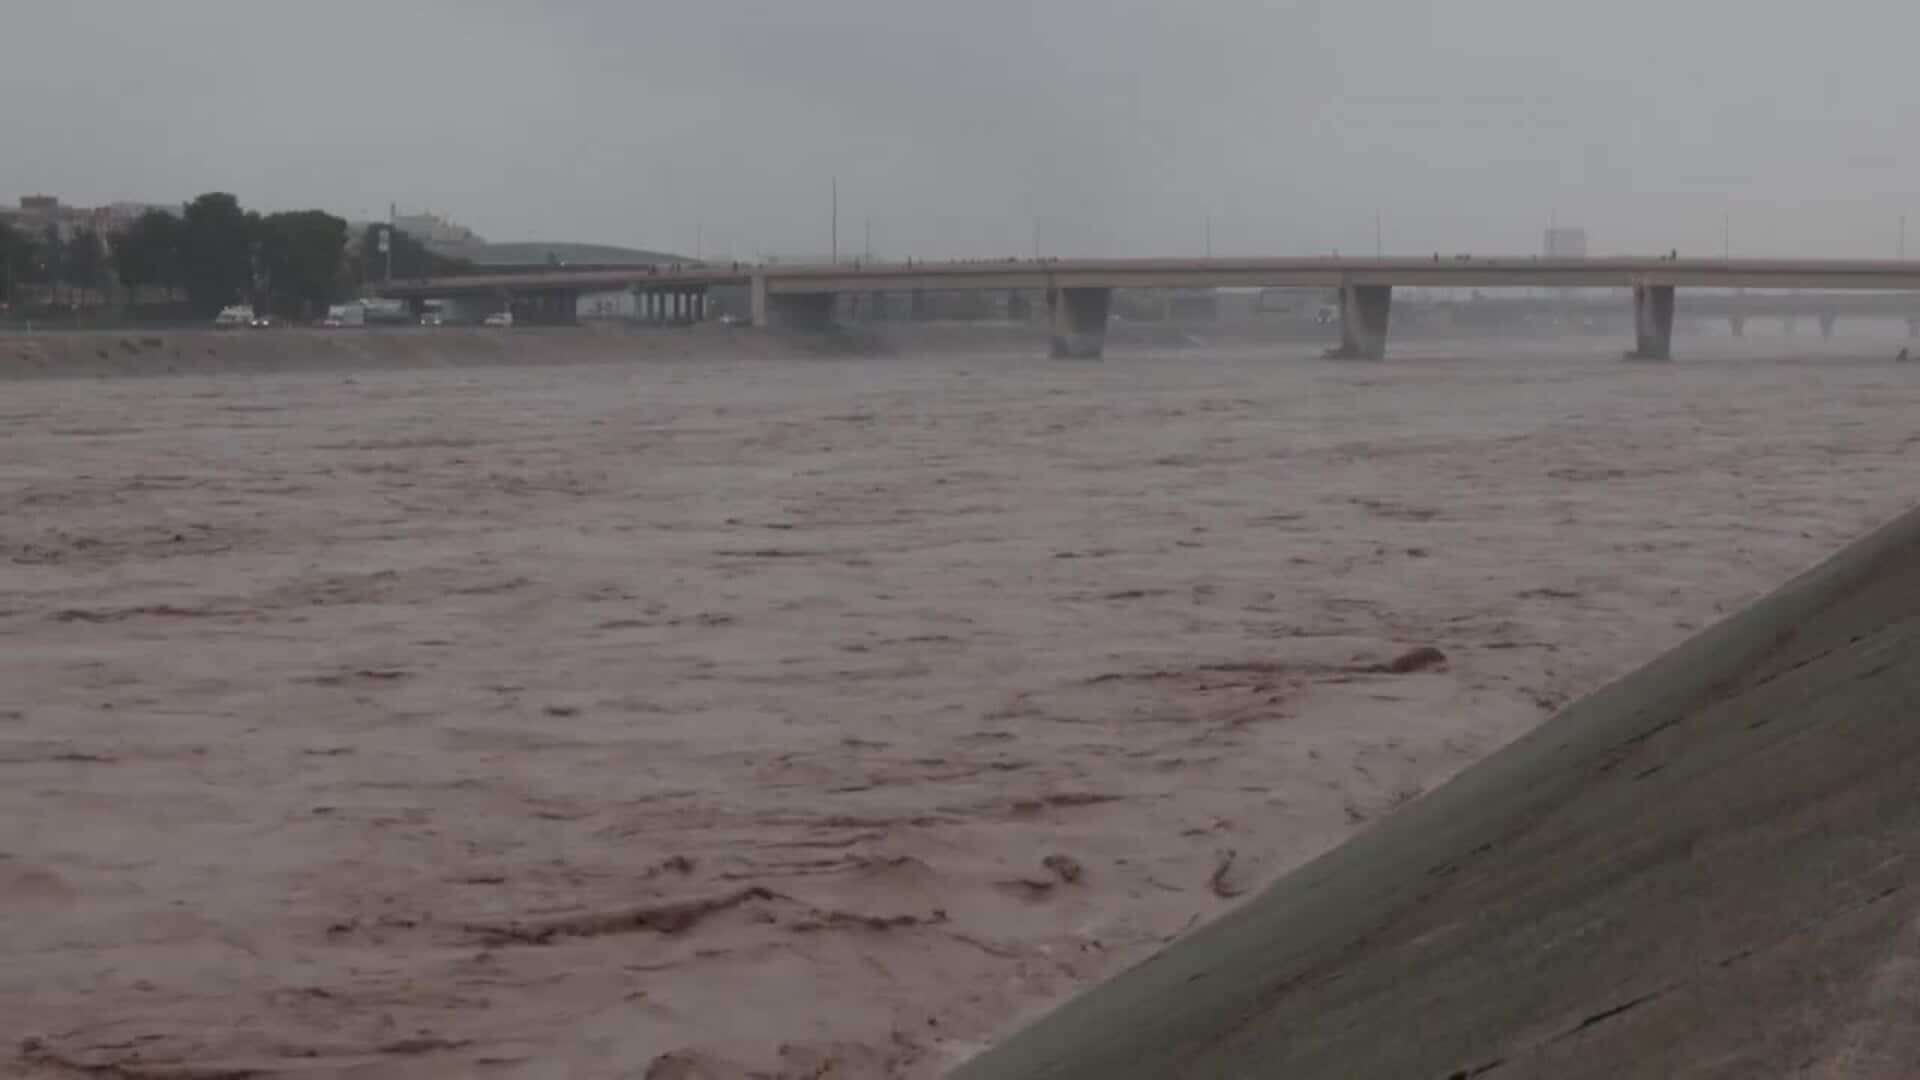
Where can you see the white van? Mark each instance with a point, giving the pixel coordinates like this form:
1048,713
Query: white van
237,317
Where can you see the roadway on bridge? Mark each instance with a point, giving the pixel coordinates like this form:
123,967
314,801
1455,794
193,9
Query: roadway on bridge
1326,272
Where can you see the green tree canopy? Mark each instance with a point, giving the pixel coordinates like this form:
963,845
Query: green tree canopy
17,259
50,267
148,252
86,260
216,252
411,258
302,258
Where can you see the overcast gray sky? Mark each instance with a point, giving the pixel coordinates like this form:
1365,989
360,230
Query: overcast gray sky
1120,125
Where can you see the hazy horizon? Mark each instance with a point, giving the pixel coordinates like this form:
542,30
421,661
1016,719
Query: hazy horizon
1122,128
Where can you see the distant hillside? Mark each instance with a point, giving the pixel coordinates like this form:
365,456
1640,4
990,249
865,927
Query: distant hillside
536,254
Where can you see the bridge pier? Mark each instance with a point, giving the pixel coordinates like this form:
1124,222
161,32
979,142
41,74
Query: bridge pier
1739,325
1364,313
1652,322
1826,325
1913,328
1080,322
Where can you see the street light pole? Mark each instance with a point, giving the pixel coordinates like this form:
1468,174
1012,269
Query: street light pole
834,247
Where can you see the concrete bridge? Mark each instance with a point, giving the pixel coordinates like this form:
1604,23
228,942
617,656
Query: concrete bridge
1079,292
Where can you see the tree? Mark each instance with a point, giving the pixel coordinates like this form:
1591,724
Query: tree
148,252
86,262
302,256
411,258
51,267
17,259
216,252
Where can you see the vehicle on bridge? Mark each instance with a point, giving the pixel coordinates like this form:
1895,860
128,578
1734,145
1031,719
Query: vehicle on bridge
344,315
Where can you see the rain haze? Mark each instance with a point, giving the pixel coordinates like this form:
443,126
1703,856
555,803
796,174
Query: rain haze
1104,128
494,583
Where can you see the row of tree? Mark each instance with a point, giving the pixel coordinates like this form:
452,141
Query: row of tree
217,253
77,262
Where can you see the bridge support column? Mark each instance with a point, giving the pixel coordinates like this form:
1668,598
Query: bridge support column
1739,325
1913,328
1652,322
1365,311
1080,322
1789,326
1826,325
922,307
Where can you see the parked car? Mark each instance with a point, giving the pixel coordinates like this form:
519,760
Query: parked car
498,318
262,322
432,318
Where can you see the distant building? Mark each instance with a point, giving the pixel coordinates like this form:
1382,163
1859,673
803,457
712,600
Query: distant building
1564,243
440,235
118,216
38,213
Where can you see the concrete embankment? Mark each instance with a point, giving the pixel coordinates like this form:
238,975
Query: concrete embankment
1705,869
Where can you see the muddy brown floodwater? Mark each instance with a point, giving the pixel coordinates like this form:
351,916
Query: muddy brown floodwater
811,717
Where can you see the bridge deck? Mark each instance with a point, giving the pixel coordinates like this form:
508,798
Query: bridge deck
1323,272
